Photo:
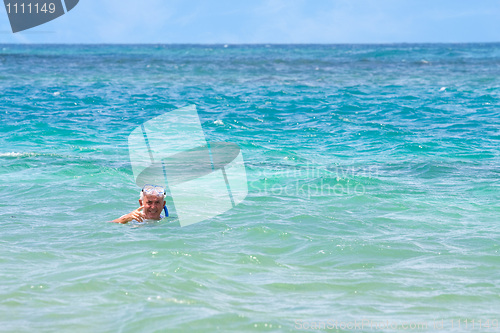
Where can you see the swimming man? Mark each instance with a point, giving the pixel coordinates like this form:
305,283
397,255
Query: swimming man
151,201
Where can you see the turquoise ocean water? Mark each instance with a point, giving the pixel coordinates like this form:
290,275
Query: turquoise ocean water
373,175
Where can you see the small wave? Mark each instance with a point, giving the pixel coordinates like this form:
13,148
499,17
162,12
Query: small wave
14,154
31,154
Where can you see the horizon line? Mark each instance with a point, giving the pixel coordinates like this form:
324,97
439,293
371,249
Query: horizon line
257,44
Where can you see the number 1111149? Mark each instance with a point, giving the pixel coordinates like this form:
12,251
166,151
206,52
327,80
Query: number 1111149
36,8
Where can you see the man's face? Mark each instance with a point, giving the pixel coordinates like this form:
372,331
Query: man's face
152,206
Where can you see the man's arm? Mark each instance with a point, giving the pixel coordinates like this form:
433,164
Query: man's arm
134,215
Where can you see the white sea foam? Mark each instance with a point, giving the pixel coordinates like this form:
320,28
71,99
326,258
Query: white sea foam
14,154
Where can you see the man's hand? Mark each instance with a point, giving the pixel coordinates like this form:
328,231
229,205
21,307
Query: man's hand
134,215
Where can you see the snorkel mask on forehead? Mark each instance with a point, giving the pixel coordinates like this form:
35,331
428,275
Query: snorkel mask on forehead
155,190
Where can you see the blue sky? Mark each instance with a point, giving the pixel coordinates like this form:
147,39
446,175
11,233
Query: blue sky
267,21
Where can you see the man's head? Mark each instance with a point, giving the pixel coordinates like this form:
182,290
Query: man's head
152,200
